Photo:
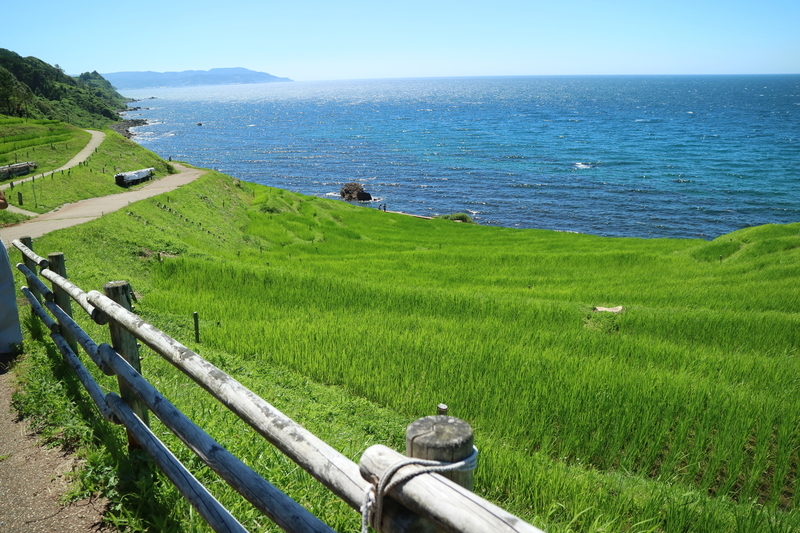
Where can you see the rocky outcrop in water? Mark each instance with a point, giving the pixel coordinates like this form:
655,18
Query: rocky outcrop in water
355,192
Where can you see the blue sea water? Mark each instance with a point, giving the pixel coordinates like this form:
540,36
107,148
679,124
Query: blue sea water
637,156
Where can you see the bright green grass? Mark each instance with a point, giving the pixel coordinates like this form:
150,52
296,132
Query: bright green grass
676,414
697,375
679,414
8,218
94,177
49,143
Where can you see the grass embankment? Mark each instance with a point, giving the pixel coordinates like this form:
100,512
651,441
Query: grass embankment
94,177
679,414
48,143
8,218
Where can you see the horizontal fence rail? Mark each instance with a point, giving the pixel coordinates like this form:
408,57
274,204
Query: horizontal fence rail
290,515
198,496
419,500
331,468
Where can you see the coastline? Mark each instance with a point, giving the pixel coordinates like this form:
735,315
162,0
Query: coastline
647,172
124,127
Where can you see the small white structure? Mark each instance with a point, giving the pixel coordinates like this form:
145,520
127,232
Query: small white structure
17,169
126,179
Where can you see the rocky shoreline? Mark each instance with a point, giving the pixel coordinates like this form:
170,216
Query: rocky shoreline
124,127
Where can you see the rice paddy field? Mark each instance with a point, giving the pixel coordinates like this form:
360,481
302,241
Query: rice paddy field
94,177
49,143
681,413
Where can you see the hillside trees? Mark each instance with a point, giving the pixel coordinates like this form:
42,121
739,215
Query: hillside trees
14,96
29,87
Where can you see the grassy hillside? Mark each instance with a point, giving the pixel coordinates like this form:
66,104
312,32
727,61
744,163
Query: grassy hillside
48,143
679,414
94,177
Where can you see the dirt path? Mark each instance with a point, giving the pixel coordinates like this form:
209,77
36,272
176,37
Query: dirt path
33,478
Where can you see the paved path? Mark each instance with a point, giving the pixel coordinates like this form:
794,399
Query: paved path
80,157
86,210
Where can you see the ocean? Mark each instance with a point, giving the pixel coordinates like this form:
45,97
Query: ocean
629,156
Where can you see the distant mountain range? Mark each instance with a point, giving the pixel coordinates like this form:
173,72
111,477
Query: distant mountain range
188,78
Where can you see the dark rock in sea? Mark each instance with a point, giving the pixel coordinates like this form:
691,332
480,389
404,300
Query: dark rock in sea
355,191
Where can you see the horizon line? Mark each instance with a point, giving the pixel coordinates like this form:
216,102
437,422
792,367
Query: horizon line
287,78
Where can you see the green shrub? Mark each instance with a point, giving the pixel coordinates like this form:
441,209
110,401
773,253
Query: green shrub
461,217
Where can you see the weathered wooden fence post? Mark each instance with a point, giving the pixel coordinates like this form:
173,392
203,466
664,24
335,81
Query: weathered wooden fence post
31,264
438,438
125,344
60,296
442,438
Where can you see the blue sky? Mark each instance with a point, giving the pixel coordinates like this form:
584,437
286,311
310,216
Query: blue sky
355,39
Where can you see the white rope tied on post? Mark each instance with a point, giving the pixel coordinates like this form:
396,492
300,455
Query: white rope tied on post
372,508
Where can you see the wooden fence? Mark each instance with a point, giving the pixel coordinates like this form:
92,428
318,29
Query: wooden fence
420,499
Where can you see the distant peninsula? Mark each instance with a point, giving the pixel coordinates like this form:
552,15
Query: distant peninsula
189,78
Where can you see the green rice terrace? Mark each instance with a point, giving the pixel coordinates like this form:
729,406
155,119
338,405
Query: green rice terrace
51,144
45,141
681,413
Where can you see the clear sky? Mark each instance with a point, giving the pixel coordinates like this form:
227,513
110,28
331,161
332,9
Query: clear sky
356,39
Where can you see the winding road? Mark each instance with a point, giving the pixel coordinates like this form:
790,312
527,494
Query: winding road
97,139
